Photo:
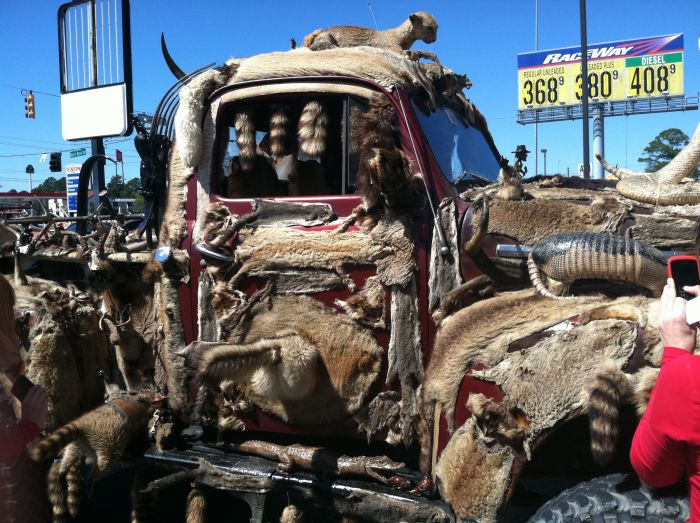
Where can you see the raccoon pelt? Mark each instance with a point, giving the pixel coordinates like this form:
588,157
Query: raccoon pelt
376,127
500,422
291,514
102,434
609,390
367,306
313,128
279,130
244,123
196,506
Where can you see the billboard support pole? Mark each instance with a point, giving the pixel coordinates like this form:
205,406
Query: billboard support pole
598,140
537,46
584,88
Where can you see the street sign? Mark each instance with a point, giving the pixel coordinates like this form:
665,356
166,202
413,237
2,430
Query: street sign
78,152
623,70
72,178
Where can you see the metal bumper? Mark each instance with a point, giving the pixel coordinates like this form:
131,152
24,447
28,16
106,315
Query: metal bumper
257,479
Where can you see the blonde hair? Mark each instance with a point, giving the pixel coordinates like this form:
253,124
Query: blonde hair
9,343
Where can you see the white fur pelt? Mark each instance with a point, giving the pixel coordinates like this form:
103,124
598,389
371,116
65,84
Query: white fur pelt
313,128
188,119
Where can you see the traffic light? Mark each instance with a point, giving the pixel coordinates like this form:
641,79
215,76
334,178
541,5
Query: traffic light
55,163
29,111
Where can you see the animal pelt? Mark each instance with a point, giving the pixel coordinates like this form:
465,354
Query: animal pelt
292,514
378,126
473,475
405,356
196,506
531,221
395,234
510,185
382,414
482,333
500,423
343,357
174,226
287,214
313,129
445,273
480,287
279,130
188,118
367,306
277,248
244,124
66,351
608,390
419,26
387,184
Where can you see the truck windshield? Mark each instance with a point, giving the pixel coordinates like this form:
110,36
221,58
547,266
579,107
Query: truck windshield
460,149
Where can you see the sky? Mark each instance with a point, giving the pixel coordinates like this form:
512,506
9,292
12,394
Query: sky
481,38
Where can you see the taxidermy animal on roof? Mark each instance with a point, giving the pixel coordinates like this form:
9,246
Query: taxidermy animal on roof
419,26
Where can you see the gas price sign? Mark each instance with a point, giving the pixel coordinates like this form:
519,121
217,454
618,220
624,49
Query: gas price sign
638,68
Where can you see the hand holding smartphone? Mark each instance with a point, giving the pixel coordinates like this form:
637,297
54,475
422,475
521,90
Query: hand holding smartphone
685,271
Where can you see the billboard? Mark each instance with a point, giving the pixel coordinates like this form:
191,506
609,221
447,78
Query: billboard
72,177
627,69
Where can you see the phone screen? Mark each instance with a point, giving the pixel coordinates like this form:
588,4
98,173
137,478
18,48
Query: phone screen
684,272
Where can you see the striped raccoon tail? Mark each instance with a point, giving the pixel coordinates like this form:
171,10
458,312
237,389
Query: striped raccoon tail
57,495
609,390
279,130
313,127
74,485
244,124
52,444
196,507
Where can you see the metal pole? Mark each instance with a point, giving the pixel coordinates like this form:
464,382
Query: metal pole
598,141
544,154
537,44
584,88
97,146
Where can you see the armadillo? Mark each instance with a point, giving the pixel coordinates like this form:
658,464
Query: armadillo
567,257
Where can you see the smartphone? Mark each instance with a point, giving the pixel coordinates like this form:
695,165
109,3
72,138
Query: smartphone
685,271
21,387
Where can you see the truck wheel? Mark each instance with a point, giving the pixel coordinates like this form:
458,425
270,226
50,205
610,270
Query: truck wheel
613,498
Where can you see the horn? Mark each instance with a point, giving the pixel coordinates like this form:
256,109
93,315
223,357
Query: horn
179,73
684,162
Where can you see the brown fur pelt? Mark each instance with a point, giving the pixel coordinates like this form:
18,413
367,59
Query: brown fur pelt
313,129
279,130
376,127
531,221
499,422
278,248
244,123
474,476
67,349
395,234
445,273
382,414
367,306
344,358
196,506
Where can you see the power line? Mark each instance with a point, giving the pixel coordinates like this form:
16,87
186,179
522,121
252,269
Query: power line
33,90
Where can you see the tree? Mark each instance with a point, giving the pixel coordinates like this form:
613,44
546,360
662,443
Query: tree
51,184
116,188
663,149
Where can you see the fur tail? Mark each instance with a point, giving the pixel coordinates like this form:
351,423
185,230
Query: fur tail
279,130
52,444
291,514
237,362
610,388
313,126
196,507
536,280
245,138
57,496
74,485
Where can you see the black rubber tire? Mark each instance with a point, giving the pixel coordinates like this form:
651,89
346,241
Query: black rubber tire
614,498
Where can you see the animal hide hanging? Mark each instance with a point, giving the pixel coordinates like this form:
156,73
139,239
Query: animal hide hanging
444,270
244,123
206,319
405,355
313,128
289,214
279,130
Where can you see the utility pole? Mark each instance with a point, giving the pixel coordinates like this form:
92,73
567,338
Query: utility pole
584,88
537,42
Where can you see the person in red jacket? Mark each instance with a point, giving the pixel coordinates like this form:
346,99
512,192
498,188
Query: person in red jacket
666,444
22,496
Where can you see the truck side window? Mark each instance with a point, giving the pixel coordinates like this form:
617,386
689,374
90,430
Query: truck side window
284,146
